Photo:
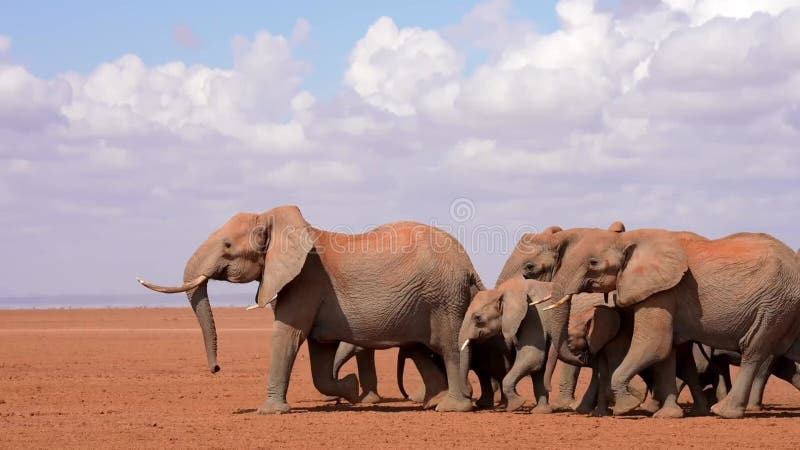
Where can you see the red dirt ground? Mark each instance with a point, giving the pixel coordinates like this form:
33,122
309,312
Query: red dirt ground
137,378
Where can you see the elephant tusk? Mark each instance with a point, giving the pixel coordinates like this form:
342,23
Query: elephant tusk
563,300
464,345
536,302
174,289
256,306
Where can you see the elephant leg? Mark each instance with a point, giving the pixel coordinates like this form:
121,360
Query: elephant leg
651,342
649,403
590,397
566,386
433,377
687,370
734,404
541,393
486,400
322,356
787,370
367,376
457,399
286,340
665,388
528,359
756,398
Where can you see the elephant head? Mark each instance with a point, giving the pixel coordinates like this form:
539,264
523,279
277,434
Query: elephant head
592,329
636,264
537,255
503,309
239,252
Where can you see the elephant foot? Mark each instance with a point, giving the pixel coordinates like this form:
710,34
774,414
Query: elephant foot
503,403
564,402
542,409
584,409
515,402
453,404
273,407
669,412
434,401
371,398
725,410
485,402
349,388
625,402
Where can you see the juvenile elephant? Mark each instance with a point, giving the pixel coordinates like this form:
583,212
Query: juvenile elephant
400,284
507,310
741,292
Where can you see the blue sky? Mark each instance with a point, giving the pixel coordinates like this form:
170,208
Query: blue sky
54,37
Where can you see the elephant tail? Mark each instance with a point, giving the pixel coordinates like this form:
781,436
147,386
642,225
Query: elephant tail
401,365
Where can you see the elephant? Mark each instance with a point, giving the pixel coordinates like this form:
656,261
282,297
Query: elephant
400,284
605,332
740,292
536,257
714,370
529,329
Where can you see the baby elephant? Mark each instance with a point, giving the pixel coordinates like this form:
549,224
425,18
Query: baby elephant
509,310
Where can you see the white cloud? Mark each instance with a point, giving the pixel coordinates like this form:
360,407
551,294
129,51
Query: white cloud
389,67
305,174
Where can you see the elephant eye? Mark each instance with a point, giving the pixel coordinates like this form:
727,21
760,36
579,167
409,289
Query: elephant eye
593,262
228,244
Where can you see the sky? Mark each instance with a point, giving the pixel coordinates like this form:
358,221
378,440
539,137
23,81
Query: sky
128,133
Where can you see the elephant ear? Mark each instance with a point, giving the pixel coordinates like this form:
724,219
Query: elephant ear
602,327
651,265
513,308
289,241
617,227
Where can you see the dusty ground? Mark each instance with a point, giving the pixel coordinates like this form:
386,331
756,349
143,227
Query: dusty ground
137,378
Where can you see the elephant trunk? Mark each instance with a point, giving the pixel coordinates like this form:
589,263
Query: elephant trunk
465,355
198,298
559,332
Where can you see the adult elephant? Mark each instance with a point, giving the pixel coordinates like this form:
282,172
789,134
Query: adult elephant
714,369
400,284
740,293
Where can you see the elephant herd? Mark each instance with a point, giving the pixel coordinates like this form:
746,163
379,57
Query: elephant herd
674,308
